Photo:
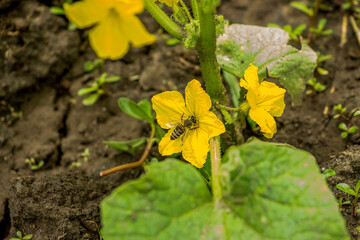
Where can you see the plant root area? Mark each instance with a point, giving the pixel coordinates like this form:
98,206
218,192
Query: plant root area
41,116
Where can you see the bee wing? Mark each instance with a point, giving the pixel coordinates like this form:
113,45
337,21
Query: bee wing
172,124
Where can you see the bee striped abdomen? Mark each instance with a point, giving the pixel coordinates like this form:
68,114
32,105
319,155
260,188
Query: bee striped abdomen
178,131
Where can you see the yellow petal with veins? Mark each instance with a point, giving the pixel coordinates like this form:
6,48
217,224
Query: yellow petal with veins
108,39
169,107
211,124
271,98
196,147
168,146
197,100
85,13
264,120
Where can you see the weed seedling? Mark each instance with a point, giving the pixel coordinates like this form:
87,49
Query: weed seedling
316,87
85,155
347,130
97,89
320,31
294,34
33,164
303,7
328,173
60,12
322,58
90,66
20,237
346,189
341,203
341,111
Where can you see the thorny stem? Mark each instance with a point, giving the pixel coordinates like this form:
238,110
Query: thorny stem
134,164
160,16
313,19
186,10
195,9
228,108
215,167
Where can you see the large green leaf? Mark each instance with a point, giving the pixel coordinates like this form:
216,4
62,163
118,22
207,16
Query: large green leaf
267,48
269,192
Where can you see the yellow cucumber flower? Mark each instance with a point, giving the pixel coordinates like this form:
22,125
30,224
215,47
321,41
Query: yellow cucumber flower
115,25
266,101
168,2
190,123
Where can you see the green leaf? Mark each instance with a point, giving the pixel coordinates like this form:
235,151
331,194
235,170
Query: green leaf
90,100
270,192
346,202
302,7
322,71
344,135
145,105
88,66
343,126
345,188
29,236
112,79
357,187
131,108
84,91
357,113
353,129
131,146
159,132
18,233
328,173
57,10
234,86
299,29
273,25
242,44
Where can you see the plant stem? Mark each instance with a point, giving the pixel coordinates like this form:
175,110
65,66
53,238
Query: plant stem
170,26
228,108
195,9
134,164
206,48
313,19
354,205
215,165
186,10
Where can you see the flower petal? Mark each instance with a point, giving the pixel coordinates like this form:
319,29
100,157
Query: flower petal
85,13
264,120
168,146
196,147
108,39
136,32
197,100
251,77
129,7
211,124
271,98
169,107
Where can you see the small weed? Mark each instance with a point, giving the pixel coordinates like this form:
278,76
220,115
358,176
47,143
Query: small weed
346,189
322,58
85,155
97,89
347,130
303,7
328,173
316,87
319,30
33,163
20,237
60,12
294,34
90,66
341,203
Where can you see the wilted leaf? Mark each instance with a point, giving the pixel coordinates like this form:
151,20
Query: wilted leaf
267,48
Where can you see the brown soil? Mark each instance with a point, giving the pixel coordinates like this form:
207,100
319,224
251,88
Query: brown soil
41,116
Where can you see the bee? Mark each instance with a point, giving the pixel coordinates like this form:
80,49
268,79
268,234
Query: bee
182,127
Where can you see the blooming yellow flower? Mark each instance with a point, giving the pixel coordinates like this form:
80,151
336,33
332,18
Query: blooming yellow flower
190,123
266,101
116,25
169,2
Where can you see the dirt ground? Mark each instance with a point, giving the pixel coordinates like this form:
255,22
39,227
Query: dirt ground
41,116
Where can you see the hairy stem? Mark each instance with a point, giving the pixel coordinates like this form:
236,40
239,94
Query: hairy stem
215,156
160,16
206,48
